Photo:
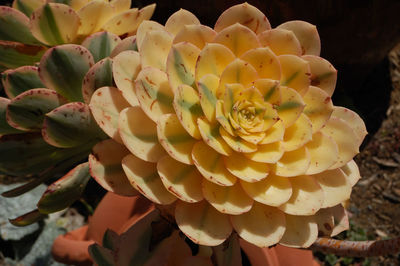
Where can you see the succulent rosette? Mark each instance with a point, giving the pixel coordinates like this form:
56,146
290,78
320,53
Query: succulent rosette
233,127
30,26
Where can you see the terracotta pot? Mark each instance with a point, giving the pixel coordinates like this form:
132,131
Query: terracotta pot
120,213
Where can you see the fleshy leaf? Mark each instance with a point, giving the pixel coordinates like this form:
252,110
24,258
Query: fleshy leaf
129,43
174,138
70,125
267,153
144,27
211,136
105,167
307,196
155,48
154,93
301,231
295,73
207,88
19,80
323,74
55,24
297,134
280,41
293,163
14,54
179,19
94,15
106,104
28,218
99,75
307,35
265,62
262,226
14,26
182,180
272,191
246,169
291,107
126,67
145,179
199,35
101,44
203,224
244,14
27,110
323,153
5,128
65,191
139,134
27,6
63,68
352,172
230,200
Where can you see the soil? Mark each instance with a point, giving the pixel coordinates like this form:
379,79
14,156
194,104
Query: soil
375,201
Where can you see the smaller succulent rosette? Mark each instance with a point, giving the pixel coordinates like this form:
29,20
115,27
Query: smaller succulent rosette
234,126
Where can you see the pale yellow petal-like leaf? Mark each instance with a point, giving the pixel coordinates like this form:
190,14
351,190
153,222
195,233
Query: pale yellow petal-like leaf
244,14
106,104
210,164
207,87
246,169
267,153
64,28
94,15
293,163
188,109
211,136
238,38
301,231
129,20
174,138
198,35
139,134
144,177
335,185
203,224
352,172
265,62
306,33
291,107
230,200
274,134
78,4
232,90
353,120
237,143
325,221
323,74
155,48
126,67
280,41
181,64
237,72
262,226
307,196
297,134
145,27
345,138
119,5
182,180
341,219
153,92
273,191
295,73
213,59
105,167
323,153
270,90
179,19
318,108
221,118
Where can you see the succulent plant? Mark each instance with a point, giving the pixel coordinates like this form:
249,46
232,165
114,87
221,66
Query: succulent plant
231,128
46,129
31,26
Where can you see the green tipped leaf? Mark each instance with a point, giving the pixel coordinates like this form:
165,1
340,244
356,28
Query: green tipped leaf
14,26
5,128
65,191
28,218
27,6
55,24
19,80
101,44
70,125
99,75
15,54
125,45
27,110
63,68
29,154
